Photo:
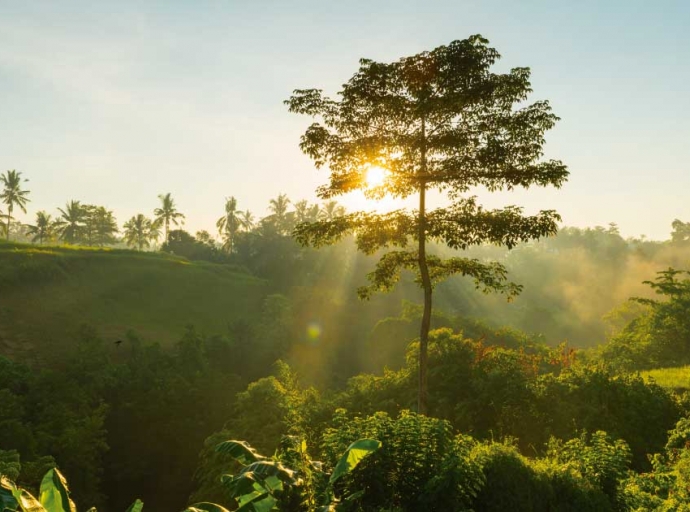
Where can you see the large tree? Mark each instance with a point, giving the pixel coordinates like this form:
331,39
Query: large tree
167,213
12,194
443,120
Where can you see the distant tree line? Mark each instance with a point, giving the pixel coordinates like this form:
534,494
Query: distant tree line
96,226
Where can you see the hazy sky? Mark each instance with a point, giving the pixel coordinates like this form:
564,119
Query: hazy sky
113,103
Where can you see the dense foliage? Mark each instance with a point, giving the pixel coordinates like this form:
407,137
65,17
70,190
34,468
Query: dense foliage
116,416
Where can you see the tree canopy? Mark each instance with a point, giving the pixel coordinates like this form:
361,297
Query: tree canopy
441,119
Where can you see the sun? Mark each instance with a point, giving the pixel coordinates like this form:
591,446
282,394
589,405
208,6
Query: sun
375,176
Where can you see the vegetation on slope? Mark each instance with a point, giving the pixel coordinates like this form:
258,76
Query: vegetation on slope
48,293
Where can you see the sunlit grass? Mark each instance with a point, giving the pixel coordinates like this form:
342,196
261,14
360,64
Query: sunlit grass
670,378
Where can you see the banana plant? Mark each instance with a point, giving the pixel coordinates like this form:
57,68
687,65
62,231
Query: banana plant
262,481
54,496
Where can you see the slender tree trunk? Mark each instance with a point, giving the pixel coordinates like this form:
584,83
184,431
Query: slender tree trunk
422,406
9,218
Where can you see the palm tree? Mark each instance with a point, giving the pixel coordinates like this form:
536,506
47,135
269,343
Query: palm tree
331,210
281,219
71,222
43,228
155,232
247,219
167,213
229,224
137,231
306,213
301,208
12,194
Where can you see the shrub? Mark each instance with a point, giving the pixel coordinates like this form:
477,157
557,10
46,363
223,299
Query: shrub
421,467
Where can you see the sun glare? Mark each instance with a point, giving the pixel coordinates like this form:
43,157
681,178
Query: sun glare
376,176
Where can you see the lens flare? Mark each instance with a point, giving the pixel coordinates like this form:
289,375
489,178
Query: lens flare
313,332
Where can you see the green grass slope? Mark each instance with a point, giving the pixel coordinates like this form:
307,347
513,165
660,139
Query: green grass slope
671,378
48,293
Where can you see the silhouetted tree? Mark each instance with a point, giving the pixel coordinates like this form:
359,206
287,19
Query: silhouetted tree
100,225
167,213
280,217
43,229
681,231
247,220
229,224
439,119
182,243
205,237
137,231
331,210
13,195
70,224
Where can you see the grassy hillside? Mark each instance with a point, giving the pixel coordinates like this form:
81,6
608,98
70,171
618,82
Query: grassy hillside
48,293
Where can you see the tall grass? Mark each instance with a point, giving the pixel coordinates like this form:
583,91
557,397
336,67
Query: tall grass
670,378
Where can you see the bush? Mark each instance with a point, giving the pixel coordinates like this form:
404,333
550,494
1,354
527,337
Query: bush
511,482
421,467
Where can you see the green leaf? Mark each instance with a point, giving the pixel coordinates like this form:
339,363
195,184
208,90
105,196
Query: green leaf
240,451
273,483
54,495
265,504
27,503
263,469
7,499
137,506
244,484
353,456
206,507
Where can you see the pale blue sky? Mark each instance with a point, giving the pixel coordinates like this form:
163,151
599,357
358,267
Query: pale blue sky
115,102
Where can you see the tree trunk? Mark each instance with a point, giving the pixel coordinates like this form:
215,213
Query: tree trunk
422,406
9,218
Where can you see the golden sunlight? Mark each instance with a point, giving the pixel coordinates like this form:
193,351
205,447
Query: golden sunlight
357,201
375,176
